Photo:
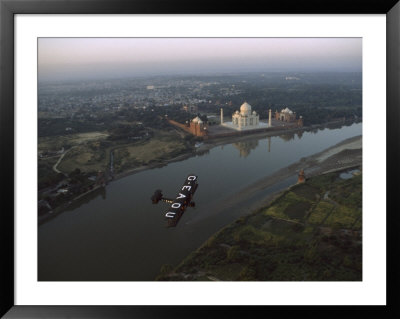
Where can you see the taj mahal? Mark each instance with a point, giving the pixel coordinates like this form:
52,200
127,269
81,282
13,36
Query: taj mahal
245,119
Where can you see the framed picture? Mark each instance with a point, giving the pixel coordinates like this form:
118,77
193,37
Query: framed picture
41,277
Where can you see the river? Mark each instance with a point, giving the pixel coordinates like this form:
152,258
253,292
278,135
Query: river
117,234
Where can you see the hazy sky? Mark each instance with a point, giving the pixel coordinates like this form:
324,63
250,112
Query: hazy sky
70,58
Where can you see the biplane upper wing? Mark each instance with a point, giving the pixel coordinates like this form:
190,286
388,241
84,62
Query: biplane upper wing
182,200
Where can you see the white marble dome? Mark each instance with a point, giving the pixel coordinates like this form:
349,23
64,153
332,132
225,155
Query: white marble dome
287,110
196,120
245,109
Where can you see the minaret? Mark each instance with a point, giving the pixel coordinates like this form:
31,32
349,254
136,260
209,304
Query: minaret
269,119
222,116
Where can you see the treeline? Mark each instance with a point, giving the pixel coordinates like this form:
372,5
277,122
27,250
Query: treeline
316,105
126,131
86,122
277,97
50,178
65,126
77,182
321,115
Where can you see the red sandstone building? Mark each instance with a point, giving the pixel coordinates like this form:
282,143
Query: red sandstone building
287,115
197,127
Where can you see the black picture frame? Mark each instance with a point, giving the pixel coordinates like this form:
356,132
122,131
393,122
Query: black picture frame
8,8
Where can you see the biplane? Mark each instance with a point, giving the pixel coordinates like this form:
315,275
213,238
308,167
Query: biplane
180,203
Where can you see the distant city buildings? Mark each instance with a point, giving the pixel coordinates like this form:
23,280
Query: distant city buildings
92,103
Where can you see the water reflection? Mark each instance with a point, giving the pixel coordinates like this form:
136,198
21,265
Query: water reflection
245,147
300,134
203,152
287,136
269,144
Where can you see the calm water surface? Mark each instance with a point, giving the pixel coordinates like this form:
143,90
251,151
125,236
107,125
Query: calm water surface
119,235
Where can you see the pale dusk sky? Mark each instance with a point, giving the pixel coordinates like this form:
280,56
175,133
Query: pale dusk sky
84,58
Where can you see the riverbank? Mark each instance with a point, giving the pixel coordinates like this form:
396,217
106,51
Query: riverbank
211,143
344,155
309,231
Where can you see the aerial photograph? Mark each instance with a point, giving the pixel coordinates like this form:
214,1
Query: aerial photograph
199,159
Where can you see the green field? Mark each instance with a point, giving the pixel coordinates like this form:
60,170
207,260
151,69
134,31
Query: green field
311,232
57,142
162,146
86,151
90,152
89,157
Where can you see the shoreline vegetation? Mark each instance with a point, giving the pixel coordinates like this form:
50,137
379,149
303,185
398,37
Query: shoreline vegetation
310,231
167,155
